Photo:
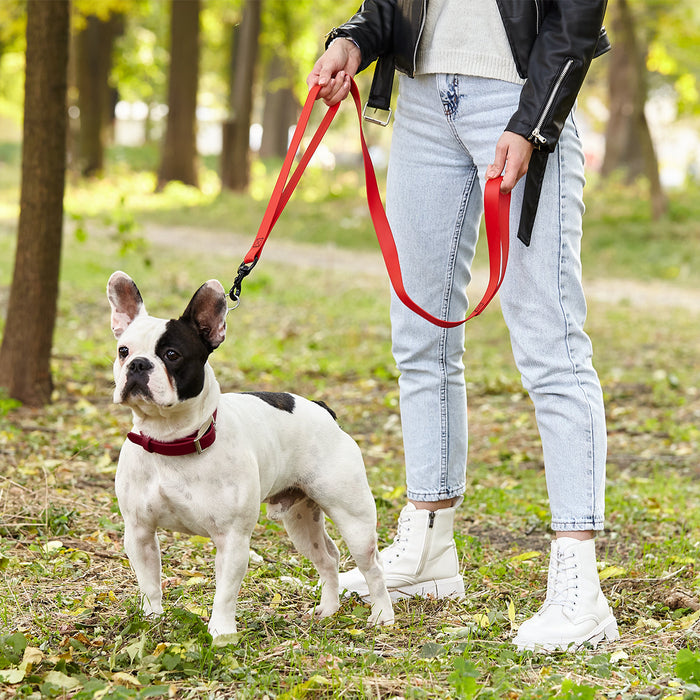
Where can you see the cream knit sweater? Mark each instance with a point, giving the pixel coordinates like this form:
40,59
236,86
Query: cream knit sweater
466,37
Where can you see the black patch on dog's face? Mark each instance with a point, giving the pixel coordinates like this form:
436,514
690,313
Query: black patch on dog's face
282,401
184,354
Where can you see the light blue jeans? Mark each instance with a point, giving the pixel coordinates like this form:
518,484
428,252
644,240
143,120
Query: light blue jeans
444,137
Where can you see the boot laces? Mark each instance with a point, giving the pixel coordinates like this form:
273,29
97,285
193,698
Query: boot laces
400,541
562,581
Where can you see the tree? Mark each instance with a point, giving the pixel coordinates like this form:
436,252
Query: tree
235,157
281,109
628,143
179,153
31,315
93,48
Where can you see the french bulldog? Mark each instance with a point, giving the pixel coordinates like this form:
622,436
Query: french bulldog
199,461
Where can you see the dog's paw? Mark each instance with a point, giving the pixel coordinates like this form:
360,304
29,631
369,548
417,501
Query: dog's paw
326,609
220,629
381,617
151,611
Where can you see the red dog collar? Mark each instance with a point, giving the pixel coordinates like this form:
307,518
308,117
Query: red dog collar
197,442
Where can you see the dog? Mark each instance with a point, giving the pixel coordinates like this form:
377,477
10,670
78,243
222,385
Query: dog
199,461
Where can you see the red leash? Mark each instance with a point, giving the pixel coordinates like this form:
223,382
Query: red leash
496,214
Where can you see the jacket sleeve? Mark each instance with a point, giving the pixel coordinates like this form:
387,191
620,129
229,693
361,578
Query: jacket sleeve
559,60
371,28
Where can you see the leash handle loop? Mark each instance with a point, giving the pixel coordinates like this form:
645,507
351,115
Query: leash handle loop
496,214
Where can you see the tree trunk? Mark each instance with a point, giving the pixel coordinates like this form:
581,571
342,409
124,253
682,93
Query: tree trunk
280,112
95,96
179,153
628,143
235,156
31,315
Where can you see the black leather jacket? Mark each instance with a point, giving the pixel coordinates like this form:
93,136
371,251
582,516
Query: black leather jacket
552,42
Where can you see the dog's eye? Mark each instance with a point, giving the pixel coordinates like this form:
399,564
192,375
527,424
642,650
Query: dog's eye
171,355
123,352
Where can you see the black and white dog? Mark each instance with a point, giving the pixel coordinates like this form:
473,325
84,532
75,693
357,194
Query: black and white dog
201,462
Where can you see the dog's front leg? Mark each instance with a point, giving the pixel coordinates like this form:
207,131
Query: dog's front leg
141,545
232,552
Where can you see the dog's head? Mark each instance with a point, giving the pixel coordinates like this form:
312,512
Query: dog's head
161,362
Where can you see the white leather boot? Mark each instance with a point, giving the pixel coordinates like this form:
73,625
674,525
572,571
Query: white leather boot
575,610
422,560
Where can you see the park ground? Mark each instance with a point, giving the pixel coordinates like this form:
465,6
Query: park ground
313,319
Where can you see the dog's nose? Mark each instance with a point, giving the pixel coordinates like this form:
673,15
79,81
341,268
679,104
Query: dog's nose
140,365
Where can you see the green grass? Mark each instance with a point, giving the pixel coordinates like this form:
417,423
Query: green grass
68,622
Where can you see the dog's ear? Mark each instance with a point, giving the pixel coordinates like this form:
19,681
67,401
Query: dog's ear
125,300
207,312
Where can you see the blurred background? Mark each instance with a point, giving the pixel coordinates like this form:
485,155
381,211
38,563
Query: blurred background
168,113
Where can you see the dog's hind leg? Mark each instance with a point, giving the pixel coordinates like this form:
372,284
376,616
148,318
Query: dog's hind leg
358,530
304,522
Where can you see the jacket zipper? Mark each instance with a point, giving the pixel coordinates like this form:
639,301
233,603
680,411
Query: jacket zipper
535,134
420,34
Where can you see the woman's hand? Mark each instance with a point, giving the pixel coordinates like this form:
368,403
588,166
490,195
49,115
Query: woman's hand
513,154
334,71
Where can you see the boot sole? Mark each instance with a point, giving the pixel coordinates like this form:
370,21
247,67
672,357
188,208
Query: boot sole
605,631
452,587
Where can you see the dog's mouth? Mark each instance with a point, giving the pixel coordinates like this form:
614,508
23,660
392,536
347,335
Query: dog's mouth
136,390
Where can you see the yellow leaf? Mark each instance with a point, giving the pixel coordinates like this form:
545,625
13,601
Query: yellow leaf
225,639
123,678
112,596
104,462
309,687
52,546
11,675
511,611
481,620
276,600
61,680
196,609
160,649
198,539
526,556
689,620
611,571
195,581
32,657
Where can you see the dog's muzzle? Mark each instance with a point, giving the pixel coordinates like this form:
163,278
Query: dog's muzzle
138,372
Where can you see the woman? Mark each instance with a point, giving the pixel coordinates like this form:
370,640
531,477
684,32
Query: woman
488,87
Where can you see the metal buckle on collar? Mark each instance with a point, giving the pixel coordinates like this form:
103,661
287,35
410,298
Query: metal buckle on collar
376,120
202,432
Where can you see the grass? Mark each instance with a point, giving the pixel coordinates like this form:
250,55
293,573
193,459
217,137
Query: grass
68,620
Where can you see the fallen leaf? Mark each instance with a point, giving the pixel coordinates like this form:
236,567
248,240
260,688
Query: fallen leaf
611,571
526,556
689,620
126,679
61,680
12,675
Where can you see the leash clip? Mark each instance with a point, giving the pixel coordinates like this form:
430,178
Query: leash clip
244,269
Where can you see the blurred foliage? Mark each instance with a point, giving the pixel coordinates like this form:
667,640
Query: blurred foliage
294,30
671,31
